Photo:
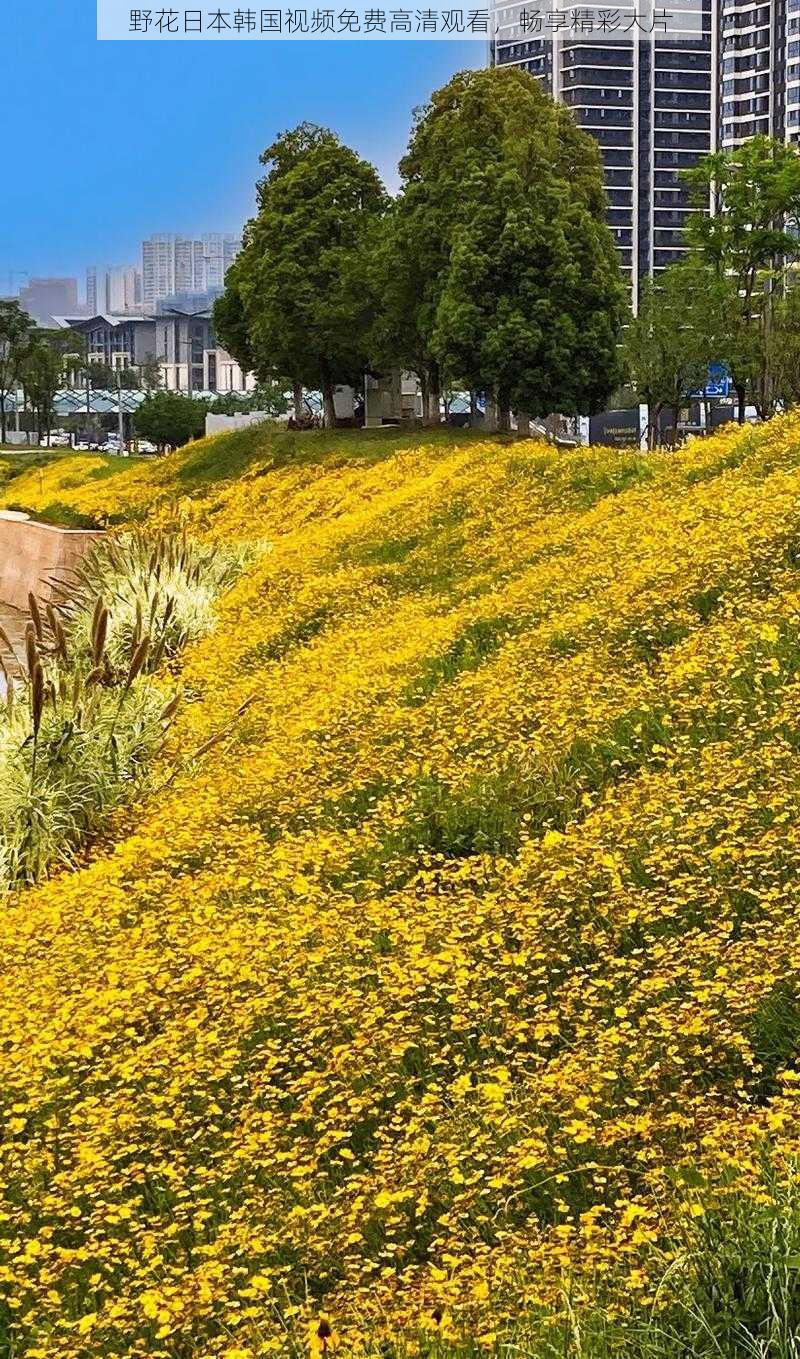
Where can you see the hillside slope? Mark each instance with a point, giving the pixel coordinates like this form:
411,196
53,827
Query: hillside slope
472,939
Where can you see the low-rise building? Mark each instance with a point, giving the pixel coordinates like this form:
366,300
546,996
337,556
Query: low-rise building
189,355
181,340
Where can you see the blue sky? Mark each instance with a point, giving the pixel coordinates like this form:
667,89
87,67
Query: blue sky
105,143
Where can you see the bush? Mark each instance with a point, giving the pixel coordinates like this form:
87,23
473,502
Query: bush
170,418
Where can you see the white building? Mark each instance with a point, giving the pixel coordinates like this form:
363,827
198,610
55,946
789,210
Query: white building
117,290
182,264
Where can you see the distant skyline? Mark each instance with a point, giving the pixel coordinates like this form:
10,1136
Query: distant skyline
109,143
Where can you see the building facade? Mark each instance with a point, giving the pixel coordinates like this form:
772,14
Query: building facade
183,343
181,264
760,52
117,290
118,341
651,104
189,355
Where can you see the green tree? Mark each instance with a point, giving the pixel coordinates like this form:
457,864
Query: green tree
665,352
230,325
502,236
170,418
404,318
745,242
150,373
785,349
104,377
268,397
297,300
50,357
15,330
230,320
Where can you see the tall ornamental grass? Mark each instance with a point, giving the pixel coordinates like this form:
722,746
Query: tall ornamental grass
84,719
163,585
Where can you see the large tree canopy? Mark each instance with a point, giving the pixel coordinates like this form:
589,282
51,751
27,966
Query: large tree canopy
501,223
297,300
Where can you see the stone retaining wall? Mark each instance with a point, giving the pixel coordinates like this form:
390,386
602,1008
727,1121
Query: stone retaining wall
31,555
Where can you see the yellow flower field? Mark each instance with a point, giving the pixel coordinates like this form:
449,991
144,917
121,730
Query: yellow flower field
426,991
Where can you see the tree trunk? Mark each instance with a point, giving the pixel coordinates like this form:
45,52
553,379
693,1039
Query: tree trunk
491,418
424,390
297,398
741,402
503,415
396,386
523,425
328,407
473,410
434,412
2,416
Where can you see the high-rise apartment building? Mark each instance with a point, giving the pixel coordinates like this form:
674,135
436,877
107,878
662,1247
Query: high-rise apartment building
117,291
123,290
760,54
650,102
91,290
181,264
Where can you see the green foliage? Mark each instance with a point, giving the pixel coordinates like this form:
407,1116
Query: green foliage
170,418
104,377
754,193
165,587
500,222
666,348
91,749
295,300
741,249
268,397
15,330
468,651
729,1288
47,357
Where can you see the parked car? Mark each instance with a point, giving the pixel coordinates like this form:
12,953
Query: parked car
145,446
56,439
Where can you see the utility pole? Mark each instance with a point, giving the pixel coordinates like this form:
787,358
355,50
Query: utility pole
120,416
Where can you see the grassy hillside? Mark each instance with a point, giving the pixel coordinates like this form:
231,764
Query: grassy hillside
457,981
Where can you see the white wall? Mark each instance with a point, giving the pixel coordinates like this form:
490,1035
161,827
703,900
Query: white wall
223,424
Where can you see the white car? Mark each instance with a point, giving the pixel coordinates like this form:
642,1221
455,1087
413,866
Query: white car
145,446
56,440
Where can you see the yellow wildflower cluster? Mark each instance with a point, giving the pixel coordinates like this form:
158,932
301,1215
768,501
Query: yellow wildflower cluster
434,978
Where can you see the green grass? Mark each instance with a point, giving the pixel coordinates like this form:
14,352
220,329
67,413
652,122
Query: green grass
475,644
227,457
13,462
727,1287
